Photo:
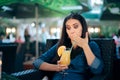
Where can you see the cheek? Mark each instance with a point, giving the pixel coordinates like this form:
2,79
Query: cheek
79,32
68,33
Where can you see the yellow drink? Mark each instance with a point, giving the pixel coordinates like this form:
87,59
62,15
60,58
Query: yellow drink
65,58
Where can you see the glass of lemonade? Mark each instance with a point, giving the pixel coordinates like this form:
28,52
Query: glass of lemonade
65,58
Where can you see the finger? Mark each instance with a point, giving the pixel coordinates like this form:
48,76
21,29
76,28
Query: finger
86,35
58,62
86,38
63,67
58,68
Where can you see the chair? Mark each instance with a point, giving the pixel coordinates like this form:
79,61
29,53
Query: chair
8,57
107,47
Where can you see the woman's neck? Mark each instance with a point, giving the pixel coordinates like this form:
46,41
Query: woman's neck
75,46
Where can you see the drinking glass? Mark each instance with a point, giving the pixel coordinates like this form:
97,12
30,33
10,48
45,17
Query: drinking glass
65,58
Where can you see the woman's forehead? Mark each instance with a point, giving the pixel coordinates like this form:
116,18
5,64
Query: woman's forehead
72,21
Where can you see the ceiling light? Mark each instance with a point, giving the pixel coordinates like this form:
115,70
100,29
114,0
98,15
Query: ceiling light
72,8
115,10
6,8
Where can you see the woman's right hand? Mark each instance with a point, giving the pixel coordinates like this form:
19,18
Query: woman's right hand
61,67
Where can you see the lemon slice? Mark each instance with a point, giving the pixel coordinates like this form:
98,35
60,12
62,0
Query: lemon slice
61,50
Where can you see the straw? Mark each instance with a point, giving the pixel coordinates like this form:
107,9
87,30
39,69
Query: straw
72,47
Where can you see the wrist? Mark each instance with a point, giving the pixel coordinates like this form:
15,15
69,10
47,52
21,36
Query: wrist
84,46
57,68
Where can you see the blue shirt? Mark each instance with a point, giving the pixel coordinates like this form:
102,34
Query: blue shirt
78,66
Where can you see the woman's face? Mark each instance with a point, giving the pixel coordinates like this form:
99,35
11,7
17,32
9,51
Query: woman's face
73,27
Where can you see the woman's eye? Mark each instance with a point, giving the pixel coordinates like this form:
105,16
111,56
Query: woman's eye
75,26
68,28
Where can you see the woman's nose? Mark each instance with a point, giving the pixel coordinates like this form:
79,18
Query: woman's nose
72,31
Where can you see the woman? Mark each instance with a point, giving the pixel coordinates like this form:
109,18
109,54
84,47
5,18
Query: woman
85,55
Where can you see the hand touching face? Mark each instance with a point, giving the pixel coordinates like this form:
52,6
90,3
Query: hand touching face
73,27
74,31
80,41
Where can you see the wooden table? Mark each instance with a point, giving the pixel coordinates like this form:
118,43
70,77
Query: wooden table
28,65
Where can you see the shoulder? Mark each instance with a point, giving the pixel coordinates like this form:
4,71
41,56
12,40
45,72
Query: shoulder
93,43
95,48
52,48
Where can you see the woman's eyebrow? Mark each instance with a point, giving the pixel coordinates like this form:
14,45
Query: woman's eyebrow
72,24
75,23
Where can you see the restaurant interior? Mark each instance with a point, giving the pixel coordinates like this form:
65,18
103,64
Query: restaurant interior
37,17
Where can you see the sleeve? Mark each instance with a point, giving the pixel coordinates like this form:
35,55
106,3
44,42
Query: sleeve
97,66
45,57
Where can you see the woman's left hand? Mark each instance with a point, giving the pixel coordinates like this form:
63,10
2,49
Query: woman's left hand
80,41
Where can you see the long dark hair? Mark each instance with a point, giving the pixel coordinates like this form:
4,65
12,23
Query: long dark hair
64,40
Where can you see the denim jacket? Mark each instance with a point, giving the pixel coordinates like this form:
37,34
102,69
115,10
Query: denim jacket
78,66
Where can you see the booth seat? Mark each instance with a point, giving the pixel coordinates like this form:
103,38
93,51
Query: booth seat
107,47
8,51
